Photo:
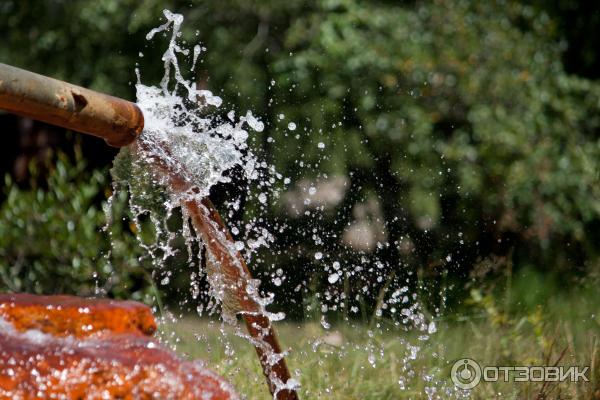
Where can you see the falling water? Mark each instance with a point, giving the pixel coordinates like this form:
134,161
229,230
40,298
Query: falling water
187,147
184,150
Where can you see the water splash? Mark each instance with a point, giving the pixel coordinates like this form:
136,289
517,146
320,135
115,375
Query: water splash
186,148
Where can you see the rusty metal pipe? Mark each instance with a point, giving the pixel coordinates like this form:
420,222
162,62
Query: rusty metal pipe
35,96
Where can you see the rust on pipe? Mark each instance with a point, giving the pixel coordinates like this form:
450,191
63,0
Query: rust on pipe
119,122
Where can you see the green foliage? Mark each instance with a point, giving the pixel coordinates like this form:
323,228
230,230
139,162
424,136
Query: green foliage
457,115
463,102
52,239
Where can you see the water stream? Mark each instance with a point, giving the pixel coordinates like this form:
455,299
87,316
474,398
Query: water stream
189,144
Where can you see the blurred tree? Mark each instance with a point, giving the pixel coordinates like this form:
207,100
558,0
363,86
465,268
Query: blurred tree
577,23
451,128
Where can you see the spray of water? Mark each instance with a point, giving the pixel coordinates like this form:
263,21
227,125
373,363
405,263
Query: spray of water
185,149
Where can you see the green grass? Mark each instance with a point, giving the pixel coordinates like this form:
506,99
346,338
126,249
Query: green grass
339,367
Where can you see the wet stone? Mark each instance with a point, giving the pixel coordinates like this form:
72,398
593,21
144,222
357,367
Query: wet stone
75,316
67,347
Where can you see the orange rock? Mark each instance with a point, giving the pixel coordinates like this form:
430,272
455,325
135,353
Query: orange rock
41,357
76,316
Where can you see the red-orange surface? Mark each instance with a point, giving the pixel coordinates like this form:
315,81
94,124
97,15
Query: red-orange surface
76,316
115,362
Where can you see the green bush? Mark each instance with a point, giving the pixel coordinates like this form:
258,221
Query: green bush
52,238
465,104
457,116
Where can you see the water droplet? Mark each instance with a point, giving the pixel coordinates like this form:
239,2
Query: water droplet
371,358
431,328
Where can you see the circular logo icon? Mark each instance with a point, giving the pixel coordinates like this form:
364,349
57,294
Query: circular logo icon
466,373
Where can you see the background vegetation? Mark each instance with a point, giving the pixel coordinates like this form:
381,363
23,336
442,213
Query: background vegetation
457,123
455,145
